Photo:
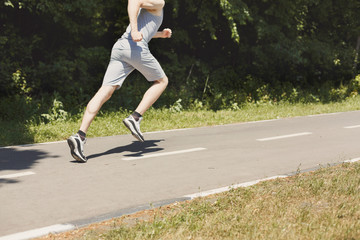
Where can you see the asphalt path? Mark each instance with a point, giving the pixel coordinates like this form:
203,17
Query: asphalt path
41,185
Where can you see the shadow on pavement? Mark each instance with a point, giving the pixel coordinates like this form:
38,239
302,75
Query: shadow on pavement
137,148
16,160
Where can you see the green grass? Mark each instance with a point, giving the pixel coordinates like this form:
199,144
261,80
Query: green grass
324,204
110,123
321,205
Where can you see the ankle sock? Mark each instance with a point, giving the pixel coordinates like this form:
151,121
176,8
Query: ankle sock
136,115
82,135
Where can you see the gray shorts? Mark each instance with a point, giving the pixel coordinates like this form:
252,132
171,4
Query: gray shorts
126,56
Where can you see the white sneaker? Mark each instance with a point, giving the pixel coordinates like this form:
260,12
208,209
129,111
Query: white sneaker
77,148
134,127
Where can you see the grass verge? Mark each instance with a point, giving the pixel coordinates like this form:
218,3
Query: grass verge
110,123
324,204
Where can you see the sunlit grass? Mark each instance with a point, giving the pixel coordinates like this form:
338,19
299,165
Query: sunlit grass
110,123
321,205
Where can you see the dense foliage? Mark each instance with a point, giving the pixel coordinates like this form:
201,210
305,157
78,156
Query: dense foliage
223,53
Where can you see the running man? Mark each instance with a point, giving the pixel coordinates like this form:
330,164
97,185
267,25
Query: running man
130,52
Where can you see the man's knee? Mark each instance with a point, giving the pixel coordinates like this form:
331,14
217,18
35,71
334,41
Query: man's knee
163,81
105,92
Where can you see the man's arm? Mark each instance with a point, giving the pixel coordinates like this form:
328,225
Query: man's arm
166,33
133,11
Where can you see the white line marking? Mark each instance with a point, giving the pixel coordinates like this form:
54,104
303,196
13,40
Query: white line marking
164,154
284,136
352,160
39,232
165,131
225,189
16,175
350,127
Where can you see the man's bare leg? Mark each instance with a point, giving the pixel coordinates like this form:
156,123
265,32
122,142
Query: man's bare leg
93,107
152,94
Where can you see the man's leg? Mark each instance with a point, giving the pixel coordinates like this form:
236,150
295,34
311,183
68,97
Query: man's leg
93,107
76,142
151,95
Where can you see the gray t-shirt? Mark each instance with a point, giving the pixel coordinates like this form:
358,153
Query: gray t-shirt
148,25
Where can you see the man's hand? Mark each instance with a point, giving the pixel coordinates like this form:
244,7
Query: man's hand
167,33
136,36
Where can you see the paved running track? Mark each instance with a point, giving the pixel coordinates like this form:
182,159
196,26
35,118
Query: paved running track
41,186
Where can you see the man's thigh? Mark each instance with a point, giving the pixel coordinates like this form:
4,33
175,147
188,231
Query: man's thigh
148,66
116,73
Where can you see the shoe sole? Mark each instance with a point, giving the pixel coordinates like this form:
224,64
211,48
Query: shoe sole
72,151
132,129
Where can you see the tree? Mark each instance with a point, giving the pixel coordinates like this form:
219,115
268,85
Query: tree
221,50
